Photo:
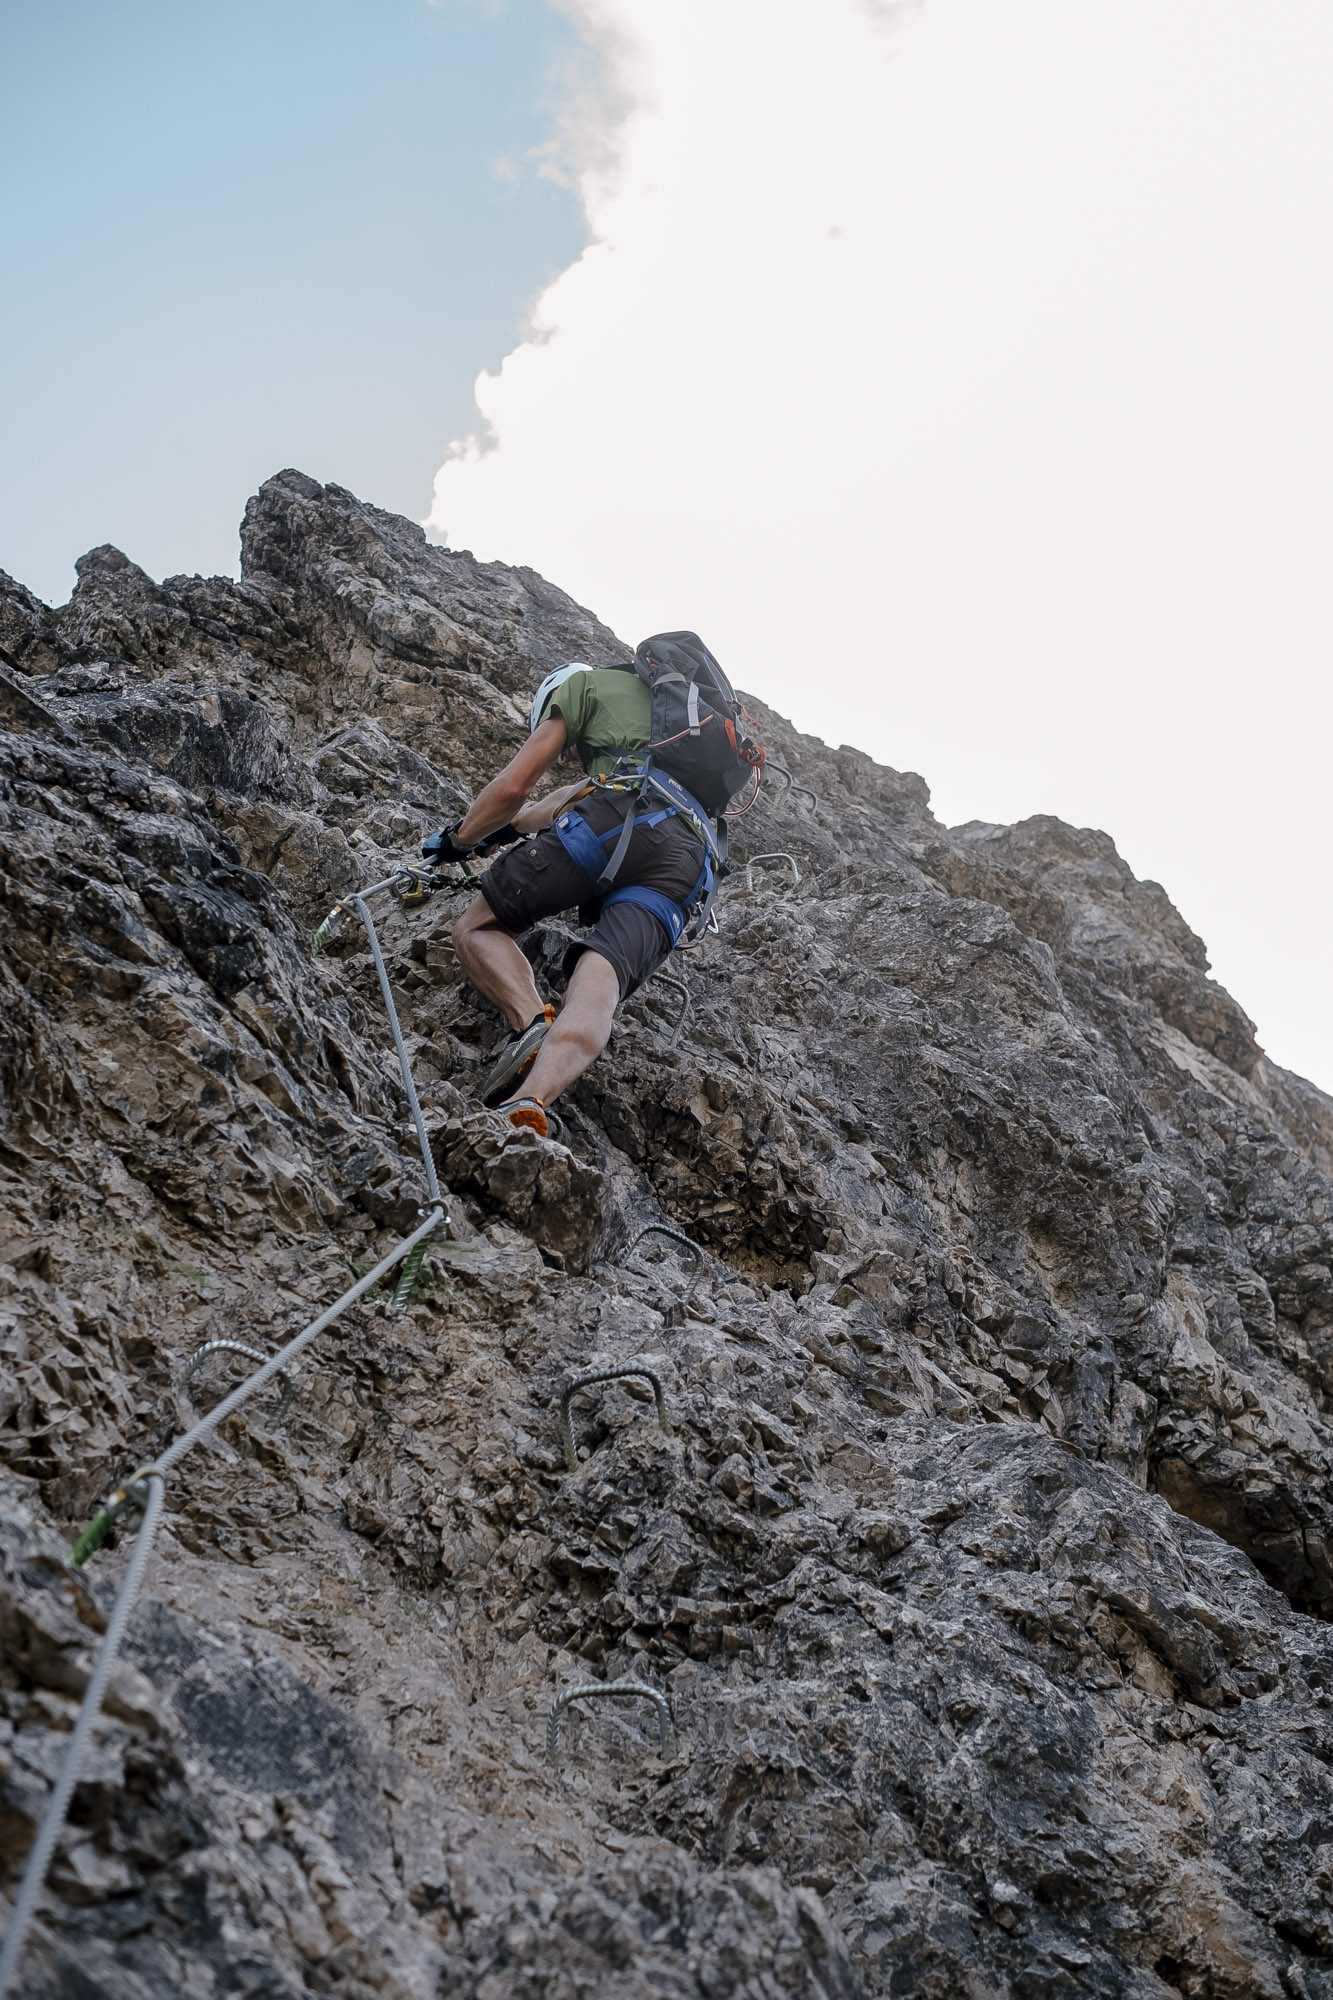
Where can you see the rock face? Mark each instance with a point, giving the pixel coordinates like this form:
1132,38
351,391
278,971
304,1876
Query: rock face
987,1559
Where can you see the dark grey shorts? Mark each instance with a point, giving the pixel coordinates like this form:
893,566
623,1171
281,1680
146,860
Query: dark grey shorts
539,879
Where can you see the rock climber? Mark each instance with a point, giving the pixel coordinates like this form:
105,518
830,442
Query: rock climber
607,713
633,854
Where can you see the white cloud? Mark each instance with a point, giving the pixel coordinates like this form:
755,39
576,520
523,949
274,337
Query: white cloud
961,372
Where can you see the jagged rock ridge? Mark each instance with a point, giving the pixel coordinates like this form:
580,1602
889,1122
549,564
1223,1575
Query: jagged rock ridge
988,1561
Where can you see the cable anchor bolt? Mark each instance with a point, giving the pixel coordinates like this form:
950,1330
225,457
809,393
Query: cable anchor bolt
132,1492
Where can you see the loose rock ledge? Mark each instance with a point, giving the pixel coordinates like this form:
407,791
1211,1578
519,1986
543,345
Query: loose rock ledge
987,1563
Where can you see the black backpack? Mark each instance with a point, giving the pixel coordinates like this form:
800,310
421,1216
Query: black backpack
700,732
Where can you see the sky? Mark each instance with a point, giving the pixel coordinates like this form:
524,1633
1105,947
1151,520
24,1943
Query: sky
245,234
958,368
961,371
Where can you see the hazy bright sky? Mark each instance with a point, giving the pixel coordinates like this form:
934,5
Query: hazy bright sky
960,370
962,373
255,233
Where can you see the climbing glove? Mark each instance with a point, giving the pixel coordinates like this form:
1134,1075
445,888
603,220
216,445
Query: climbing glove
445,845
504,836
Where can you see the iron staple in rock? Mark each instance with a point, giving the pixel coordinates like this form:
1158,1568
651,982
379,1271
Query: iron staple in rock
755,860
614,1690
571,1389
672,1236
211,1347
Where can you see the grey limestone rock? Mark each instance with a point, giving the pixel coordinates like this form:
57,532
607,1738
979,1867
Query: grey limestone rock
988,1560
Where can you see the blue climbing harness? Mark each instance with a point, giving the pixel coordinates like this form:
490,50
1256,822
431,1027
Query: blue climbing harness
668,800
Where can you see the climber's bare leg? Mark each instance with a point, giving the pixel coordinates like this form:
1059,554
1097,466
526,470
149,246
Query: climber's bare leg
580,1031
495,965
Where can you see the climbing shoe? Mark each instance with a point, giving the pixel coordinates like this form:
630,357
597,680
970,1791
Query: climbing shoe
527,1114
516,1057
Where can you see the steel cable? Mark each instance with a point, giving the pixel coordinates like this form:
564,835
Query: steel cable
414,1103
285,1355
44,1846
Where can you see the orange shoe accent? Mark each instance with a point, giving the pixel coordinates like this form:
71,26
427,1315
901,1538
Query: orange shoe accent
528,1115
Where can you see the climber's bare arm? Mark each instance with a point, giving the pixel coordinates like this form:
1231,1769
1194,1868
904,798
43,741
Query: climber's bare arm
497,804
532,818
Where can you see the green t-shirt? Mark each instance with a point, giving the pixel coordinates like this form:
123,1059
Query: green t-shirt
608,712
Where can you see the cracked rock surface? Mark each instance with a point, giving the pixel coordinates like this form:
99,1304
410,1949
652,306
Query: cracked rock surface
988,1557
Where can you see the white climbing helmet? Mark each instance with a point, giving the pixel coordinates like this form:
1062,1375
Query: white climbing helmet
549,686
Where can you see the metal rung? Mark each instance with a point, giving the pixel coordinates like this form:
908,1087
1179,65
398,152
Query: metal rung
781,771
755,860
605,1375
673,1236
668,979
618,1690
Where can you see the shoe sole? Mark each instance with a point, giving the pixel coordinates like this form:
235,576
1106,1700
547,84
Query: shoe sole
529,1118
513,1065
